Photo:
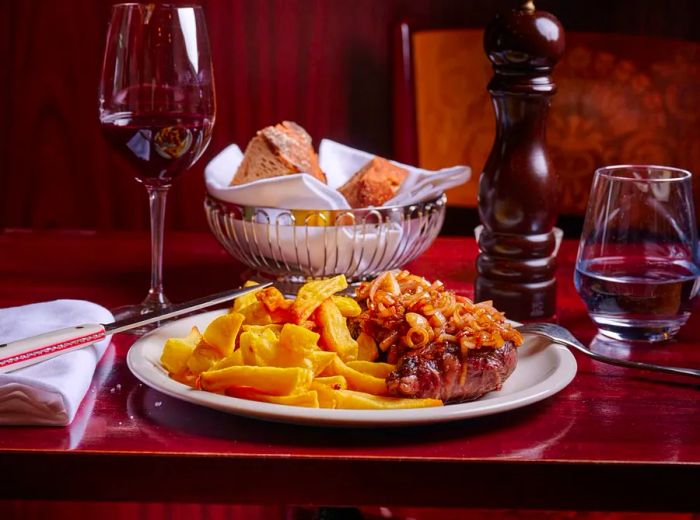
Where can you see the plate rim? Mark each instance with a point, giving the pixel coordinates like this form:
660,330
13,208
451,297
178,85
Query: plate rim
563,372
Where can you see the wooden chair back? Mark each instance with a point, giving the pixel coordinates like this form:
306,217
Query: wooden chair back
621,100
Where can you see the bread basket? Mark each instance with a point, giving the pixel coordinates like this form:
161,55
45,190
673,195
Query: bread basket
294,246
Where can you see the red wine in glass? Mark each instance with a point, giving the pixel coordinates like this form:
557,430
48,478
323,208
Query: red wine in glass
157,106
160,146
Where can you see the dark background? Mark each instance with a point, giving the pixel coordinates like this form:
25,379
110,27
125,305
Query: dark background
325,64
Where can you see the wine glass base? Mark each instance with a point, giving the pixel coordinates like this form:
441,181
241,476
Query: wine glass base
147,306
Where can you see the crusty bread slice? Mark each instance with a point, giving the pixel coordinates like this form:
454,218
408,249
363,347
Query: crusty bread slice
374,184
277,150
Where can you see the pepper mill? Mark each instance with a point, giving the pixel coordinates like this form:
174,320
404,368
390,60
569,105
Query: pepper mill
518,187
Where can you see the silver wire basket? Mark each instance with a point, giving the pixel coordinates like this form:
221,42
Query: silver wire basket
297,245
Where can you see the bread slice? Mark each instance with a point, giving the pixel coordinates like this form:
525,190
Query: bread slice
377,182
277,150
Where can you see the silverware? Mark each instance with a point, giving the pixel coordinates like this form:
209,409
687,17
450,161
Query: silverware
559,334
29,351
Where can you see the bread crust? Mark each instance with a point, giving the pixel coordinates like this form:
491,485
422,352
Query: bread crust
283,149
375,183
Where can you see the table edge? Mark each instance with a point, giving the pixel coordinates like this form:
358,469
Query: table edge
597,485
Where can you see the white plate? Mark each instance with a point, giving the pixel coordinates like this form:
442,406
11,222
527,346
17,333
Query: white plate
543,369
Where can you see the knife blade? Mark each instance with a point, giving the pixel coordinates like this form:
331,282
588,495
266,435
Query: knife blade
29,351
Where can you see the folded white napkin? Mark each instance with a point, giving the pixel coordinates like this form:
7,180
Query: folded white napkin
302,191
49,392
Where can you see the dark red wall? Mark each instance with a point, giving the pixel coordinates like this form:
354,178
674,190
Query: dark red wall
323,63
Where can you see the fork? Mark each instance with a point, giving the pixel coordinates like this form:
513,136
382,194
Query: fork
559,334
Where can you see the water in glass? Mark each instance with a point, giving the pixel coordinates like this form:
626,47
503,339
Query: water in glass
637,268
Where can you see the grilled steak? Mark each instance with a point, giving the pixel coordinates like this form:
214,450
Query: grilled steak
440,371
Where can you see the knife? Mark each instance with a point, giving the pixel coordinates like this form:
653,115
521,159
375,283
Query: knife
29,351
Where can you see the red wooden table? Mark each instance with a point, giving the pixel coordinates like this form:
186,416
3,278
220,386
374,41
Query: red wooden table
613,439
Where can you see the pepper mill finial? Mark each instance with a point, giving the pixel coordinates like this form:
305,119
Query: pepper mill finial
517,189
527,5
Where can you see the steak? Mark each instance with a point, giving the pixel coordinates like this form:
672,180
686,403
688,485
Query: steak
441,371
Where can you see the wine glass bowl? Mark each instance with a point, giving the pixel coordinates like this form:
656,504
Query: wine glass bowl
159,146
157,105
637,268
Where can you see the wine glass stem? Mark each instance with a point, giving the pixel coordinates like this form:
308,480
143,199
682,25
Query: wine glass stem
157,197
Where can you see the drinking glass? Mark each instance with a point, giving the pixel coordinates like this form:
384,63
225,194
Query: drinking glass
157,106
637,268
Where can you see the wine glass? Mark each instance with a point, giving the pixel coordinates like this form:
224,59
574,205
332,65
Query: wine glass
157,106
638,269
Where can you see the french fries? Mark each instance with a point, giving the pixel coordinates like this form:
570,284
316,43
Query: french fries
366,348
289,352
255,314
277,306
356,380
177,352
247,299
347,306
361,400
313,294
375,369
266,380
221,333
334,331
308,399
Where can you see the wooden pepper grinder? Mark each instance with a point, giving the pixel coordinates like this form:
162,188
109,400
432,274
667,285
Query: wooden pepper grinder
518,188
